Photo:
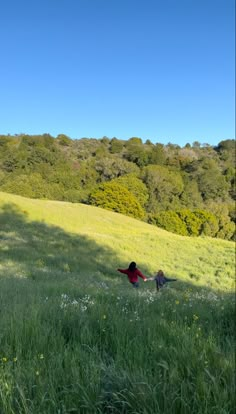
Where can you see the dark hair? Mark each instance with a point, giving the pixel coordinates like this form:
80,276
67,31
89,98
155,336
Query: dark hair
132,266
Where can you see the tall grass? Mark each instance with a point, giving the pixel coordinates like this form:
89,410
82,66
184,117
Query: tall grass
75,337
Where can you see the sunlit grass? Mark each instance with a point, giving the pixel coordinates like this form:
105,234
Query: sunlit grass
75,337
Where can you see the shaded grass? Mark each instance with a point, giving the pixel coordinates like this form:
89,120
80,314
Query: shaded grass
115,355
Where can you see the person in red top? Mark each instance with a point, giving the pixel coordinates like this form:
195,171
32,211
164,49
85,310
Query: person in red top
133,272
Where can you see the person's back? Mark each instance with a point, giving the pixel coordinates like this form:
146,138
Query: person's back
161,279
133,273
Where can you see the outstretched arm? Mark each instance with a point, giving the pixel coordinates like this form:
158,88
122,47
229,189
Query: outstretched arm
168,279
141,275
122,271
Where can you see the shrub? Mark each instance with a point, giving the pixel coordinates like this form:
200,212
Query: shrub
170,221
209,225
186,222
113,196
135,186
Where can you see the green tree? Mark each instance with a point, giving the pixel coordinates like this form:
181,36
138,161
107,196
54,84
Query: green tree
186,222
112,167
222,212
64,140
209,224
230,176
191,220
190,196
105,141
73,195
170,221
136,152
227,151
148,142
135,186
116,146
211,182
164,186
10,162
213,185
113,196
87,174
157,155
18,185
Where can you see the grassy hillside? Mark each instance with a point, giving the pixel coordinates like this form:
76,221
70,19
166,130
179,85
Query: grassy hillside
76,337
87,239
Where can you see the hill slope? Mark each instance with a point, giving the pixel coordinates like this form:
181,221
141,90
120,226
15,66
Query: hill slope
117,239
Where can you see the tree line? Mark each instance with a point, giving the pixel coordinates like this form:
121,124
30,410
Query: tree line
187,190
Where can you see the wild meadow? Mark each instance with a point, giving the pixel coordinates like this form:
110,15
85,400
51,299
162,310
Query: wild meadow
76,337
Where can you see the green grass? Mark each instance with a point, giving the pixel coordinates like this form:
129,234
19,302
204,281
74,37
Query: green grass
75,337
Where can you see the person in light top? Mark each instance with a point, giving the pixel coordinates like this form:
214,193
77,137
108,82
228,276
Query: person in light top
133,274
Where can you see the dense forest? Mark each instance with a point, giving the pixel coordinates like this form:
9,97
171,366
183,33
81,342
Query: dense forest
187,190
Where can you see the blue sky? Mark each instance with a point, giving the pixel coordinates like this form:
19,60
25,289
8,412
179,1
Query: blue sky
162,70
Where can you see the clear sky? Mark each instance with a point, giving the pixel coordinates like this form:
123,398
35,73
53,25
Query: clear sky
162,70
